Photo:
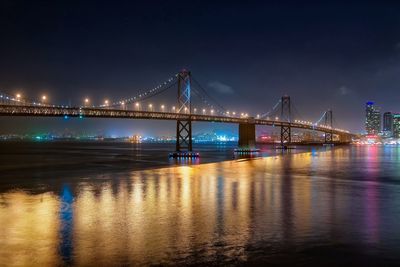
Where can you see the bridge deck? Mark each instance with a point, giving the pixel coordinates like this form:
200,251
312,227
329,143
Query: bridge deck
50,111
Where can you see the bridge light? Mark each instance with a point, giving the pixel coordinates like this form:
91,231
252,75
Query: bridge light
106,102
212,111
173,109
86,102
162,107
234,113
151,107
195,110
204,111
276,118
258,116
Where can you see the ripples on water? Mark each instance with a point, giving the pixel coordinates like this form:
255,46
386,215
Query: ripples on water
321,208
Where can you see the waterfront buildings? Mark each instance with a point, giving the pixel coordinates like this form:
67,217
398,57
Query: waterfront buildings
388,124
396,125
373,118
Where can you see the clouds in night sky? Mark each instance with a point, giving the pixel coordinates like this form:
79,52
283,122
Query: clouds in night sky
221,87
343,90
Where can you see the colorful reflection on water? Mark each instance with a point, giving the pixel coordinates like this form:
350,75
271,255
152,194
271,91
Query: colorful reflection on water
290,209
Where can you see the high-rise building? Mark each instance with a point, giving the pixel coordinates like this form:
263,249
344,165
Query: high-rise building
388,124
373,118
396,125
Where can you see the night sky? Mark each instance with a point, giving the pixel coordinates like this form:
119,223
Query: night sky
324,55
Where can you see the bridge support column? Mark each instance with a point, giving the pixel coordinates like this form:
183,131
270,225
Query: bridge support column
344,138
286,130
247,135
184,127
328,138
184,136
329,122
286,134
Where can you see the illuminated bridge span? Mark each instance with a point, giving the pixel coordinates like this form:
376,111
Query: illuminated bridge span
184,113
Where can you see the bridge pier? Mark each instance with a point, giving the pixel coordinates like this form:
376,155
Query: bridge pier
328,138
184,127
328,122
247,135
286,134
286,115
345,138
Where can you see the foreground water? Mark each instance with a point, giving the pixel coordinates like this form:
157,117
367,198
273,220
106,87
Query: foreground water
95,205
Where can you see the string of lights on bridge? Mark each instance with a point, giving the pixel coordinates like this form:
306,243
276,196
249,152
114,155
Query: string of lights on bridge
137,105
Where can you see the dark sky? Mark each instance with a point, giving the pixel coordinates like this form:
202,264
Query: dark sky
323,54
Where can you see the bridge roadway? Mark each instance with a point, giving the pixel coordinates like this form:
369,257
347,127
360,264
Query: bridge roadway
50,111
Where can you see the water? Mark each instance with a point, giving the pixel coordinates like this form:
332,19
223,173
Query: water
92,204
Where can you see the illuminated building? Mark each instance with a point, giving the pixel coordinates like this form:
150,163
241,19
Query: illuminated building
373,119
396,125
135,138
388,124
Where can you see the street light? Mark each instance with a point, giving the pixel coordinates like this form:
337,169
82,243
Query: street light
162,108
86,101
18,97
173,109
212,111
204,111
106,102
151,107
44,98
137,105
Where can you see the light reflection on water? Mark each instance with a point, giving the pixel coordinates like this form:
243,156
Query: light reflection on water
290,209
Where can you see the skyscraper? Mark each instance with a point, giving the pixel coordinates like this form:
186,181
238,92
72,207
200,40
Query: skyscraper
388,124
396,125
373,118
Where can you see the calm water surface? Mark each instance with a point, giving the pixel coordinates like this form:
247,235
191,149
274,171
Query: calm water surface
322,207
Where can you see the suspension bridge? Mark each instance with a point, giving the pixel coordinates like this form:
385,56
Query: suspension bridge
184,113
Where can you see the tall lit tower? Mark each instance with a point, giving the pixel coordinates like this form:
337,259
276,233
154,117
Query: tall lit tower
396,125
388,124
372,118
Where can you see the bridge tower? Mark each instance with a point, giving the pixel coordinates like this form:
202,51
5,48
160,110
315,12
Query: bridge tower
286,136
184,127
329,122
